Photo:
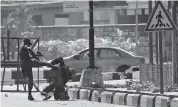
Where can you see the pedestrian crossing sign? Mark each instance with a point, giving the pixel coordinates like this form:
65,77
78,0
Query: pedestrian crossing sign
159,19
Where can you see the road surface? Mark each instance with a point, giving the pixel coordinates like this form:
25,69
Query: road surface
20,100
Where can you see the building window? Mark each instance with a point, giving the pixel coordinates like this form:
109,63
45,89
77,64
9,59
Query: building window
97,15
131,12
146,11
139,11
86,15
143,11
122,12
37,20
61,19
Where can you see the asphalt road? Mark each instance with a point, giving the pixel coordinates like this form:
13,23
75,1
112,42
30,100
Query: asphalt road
20,100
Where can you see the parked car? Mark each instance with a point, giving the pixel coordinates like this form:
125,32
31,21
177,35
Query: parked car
106,58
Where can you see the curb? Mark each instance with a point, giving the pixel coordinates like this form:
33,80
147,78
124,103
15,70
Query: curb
123,98
11,73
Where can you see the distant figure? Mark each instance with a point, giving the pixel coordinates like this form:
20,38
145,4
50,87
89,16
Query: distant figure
27,62
159,21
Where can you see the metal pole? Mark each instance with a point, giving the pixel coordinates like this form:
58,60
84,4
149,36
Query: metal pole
161,63
174,46
38,66
18,62
8,44
91,36
2,81
136,21
150,36
157,48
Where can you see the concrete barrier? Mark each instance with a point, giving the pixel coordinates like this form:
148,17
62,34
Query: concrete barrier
84,94
35,73
119,98
105,76
89,76
174,102
147,101
8,74
136,75
11,73
111,76
161,101
73,93
133,100
95,95
106,97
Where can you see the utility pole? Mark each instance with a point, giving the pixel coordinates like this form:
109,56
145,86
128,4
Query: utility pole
150,36
136,32
8,44
91,37
174,46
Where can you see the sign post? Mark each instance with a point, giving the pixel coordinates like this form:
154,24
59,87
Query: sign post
161,62
174,46
159,21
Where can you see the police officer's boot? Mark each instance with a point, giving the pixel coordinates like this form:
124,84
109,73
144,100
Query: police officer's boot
30,98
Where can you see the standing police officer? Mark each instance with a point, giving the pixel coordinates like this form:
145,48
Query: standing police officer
26,56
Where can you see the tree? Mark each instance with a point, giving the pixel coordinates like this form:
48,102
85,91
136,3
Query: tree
19,21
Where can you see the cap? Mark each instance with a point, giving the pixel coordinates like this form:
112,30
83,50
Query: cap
27,42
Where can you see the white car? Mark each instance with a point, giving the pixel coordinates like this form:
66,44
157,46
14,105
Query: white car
106,58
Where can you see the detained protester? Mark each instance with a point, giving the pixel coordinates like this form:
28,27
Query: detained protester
59,79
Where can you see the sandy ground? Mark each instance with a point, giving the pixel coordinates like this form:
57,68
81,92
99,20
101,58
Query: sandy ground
20,100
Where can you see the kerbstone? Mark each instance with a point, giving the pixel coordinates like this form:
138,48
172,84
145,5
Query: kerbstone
95,95
73,93
118,98
132,99
147,101
106,97
84,94
174,102
161,101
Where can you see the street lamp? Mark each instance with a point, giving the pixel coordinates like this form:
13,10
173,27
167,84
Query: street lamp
91,37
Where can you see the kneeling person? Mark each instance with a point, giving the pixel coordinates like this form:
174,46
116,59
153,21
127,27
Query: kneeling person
59,79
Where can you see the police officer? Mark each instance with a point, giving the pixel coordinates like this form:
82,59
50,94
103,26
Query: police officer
26,61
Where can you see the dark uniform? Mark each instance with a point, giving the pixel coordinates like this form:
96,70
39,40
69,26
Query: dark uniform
26,62
59,79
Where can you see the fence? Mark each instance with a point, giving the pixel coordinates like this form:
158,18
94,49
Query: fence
151,73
